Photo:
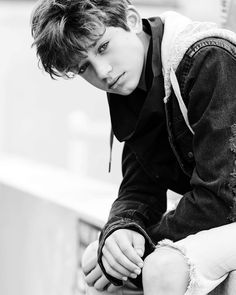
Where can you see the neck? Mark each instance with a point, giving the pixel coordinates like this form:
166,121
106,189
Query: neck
145,39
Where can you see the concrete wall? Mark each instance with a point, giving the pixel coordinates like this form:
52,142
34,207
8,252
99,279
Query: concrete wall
44,217
38,245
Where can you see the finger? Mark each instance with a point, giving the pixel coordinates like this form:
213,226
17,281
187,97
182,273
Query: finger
120,257
89,258
93,276
129,251
101,283
112,271
112,288
114,264
139,244
89,265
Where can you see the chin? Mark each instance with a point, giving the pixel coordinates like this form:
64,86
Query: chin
129,88
124,92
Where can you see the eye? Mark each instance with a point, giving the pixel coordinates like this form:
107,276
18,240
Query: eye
83,68
103,47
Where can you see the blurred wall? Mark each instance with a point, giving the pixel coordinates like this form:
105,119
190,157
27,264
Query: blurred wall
39,248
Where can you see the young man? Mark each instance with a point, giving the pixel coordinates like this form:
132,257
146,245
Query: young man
172,97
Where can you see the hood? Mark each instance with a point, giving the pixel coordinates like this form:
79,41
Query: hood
179,34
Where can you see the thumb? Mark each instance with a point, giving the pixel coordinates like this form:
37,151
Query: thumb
139,244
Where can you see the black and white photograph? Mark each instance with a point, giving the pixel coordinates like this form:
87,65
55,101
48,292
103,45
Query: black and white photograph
118,147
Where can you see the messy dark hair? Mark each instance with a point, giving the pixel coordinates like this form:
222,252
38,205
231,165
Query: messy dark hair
63,29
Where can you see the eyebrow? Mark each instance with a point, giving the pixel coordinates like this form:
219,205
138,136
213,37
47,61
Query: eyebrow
94,43
98,39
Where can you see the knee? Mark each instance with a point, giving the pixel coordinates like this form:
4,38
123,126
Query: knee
164,268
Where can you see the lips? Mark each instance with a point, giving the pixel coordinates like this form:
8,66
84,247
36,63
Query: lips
114,82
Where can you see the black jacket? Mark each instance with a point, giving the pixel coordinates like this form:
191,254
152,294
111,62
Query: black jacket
160,152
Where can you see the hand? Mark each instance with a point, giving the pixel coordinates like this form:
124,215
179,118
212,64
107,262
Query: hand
96,279
122,254
94,276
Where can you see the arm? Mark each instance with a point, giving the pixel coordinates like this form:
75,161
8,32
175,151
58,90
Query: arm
140,204
212,109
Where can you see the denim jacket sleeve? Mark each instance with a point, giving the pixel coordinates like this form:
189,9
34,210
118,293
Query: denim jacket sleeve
137,206
211,93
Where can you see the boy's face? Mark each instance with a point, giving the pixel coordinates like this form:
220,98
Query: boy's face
115,63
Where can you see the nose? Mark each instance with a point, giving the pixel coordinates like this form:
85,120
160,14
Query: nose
102,69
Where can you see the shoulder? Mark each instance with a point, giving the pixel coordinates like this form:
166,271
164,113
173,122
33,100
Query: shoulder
205,70
211,47
207,57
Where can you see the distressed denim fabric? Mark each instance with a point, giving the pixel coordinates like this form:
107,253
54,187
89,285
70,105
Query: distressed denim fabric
211,256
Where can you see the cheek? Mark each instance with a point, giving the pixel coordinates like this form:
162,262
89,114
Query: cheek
88,79
126,50
135,53
92,79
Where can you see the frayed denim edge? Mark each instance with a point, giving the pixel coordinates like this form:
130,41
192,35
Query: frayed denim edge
193,286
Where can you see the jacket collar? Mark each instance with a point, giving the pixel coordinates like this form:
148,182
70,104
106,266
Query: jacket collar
180,33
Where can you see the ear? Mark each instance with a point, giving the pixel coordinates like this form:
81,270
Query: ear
134,20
